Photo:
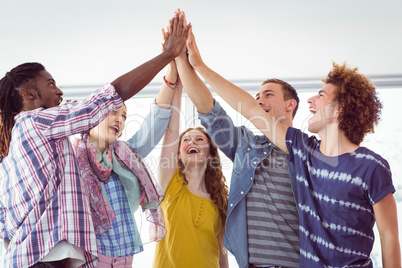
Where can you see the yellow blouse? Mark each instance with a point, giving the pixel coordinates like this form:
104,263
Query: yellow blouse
192,224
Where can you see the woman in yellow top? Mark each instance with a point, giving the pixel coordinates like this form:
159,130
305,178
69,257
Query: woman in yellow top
196,197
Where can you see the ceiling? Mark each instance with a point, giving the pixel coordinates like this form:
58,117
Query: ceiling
93,42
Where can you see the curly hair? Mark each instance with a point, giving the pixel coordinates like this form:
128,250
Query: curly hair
214,179
359,106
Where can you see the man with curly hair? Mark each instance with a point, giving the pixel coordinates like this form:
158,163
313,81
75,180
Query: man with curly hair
343,188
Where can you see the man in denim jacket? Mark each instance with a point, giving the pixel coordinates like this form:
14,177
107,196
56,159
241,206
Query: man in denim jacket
262,219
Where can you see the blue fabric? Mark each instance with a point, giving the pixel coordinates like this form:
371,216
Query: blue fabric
335,198
151,131
120,240
246,151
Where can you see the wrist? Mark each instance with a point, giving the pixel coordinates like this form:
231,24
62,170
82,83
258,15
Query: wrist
200,66
171,74
168,54
181,58
171,84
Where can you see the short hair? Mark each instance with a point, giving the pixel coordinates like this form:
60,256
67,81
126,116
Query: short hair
288,91
359,105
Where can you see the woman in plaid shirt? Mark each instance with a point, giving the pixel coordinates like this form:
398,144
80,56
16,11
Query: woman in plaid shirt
115,179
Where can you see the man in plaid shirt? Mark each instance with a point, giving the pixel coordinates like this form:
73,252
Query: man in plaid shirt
44,217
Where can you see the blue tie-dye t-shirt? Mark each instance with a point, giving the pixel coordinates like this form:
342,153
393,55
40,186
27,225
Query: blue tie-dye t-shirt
335,199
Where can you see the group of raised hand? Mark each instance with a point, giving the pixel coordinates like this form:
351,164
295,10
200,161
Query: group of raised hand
178,30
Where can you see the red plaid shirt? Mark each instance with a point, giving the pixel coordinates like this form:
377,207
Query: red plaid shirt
41,199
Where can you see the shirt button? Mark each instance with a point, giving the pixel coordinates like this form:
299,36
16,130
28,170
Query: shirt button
242,192
265,152
248,149
231,205
251,178
255,163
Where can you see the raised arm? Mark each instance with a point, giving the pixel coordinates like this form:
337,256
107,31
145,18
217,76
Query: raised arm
195,88
171,79
387,223
167,91
132,82
167,166
154,125
237,98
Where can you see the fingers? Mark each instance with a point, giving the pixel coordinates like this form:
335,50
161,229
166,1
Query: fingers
176,33
190,37
170,26
179,23
177,12
176,22
184,18
163,35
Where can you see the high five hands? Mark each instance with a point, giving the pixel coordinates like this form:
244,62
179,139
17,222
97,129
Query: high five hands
176,34
190,50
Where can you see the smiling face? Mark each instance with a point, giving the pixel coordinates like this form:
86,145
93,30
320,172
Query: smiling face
324,109
109,129
270,98
49,95
194,147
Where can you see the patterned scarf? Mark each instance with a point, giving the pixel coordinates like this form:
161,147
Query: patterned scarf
93,173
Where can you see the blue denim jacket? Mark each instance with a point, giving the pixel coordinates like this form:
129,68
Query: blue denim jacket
245,150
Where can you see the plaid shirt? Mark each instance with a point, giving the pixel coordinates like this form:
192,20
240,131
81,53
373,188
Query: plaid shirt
41,200
118,241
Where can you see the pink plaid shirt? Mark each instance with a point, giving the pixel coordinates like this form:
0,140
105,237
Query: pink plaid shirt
41,199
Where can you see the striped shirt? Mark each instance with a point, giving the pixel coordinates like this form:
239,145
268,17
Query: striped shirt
335,199
272,219
41,200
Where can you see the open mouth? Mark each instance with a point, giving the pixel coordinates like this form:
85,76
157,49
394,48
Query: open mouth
114,129
59,101
193,150
312,110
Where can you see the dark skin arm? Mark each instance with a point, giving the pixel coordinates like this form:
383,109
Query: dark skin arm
132,82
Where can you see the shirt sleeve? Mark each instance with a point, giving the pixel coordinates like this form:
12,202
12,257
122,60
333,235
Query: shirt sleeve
151,130
222,130
380,182
78,116
291,138
299,143
2,221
